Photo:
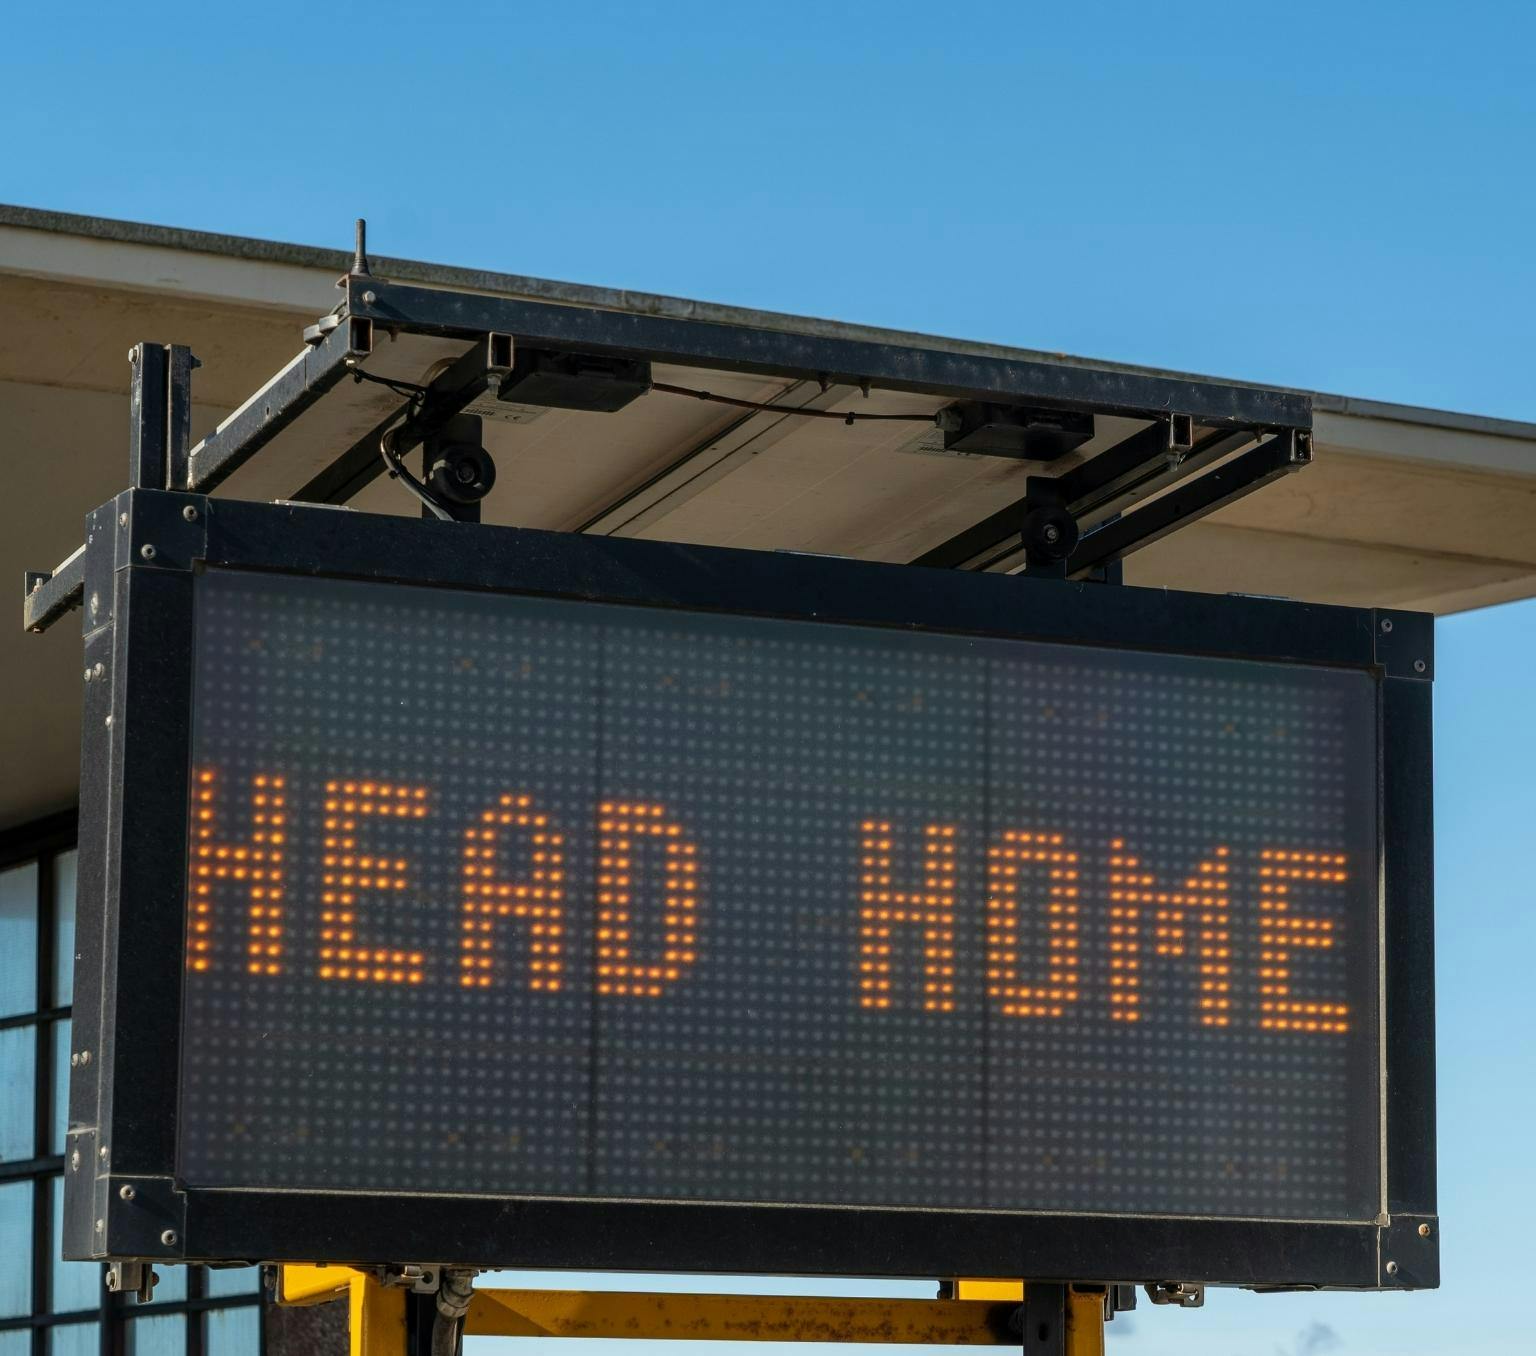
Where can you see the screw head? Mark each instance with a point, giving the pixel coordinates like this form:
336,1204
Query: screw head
101,1226
74,1060
1391,1268
1386,625
122,520
126,1191
189,512
85,1056
148,551
169,1238
1423,1231
74,1161
1419,666
370,297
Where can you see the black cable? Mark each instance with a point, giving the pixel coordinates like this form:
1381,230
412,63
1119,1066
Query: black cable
454,1292
847,418
416,397
401,388
397,471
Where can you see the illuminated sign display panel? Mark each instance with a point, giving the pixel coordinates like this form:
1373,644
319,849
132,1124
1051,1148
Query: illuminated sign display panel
503,894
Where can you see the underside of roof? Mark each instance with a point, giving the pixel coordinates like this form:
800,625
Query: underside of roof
1400,507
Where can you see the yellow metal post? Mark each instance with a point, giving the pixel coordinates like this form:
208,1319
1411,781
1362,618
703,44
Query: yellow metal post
1085,1312
375,1313
1085,1324
375,1317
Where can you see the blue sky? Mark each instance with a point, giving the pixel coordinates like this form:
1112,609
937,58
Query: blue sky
1330,196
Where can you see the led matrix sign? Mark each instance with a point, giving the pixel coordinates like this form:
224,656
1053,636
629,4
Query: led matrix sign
538,897
468,894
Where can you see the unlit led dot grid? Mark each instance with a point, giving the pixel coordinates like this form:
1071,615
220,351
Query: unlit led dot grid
572,899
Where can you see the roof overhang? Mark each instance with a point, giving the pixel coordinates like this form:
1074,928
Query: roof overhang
1401,506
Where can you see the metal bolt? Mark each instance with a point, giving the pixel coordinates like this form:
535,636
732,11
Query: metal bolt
1052,533
148,551
1386,624
87,675
1419,666
369,298
1423,1231
122,520
99,671
74,1161
85,1057
169,1238
95,603
1391,1268
74,1060
126,1192
101,1226
101,1153
108,722
190,513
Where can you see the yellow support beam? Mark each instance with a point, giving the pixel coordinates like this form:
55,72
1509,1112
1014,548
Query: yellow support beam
967,1288
981,1316
736,1318
305,1285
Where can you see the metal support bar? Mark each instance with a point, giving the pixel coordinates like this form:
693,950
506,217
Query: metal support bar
276,405
1285,452
178,423
892,366
149,406
48,595
159,429
160,414
1092,491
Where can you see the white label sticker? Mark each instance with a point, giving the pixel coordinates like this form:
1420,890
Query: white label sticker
504,411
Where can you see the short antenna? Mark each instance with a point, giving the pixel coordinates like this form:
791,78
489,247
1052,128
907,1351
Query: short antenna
360,254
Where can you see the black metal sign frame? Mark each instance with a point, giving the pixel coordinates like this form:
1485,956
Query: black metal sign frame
123,1199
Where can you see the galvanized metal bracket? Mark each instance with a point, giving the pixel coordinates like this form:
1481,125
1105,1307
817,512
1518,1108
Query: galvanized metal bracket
137,1278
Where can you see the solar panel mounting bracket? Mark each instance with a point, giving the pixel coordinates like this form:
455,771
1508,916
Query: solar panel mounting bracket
1203,443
